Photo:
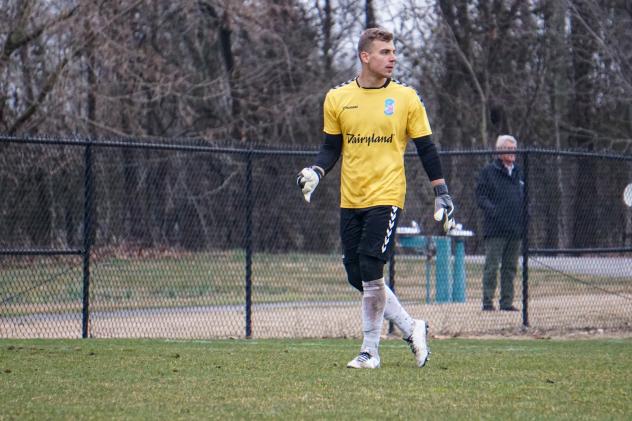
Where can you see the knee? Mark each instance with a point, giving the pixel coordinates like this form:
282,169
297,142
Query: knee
354,276
371,268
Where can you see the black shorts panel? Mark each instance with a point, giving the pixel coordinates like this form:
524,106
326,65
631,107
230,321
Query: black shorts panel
368,231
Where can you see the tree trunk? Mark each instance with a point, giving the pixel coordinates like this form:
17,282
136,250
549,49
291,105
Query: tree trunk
369,15
327,28
583,46
560,208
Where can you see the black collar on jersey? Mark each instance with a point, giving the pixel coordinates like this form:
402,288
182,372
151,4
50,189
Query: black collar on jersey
388,80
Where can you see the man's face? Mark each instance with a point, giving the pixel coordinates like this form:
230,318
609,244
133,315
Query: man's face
380,60
507,158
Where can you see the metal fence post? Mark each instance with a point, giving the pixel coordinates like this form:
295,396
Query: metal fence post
87,240
525,244
248,244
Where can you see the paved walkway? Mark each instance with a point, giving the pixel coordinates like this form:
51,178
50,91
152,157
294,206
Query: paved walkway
619,267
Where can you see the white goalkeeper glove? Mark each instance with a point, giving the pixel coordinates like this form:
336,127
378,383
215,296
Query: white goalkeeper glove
308,179
444,209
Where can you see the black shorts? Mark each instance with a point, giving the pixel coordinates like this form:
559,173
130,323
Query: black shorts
369,231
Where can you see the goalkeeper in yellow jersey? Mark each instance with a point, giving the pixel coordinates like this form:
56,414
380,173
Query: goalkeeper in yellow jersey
369,121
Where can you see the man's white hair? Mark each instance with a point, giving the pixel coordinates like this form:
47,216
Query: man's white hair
505,138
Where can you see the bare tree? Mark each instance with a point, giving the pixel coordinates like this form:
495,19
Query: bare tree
369,11
28,27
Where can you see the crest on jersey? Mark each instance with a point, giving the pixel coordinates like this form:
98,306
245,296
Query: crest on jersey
389,106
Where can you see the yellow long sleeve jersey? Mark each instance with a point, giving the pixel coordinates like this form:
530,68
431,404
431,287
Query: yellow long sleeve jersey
376,125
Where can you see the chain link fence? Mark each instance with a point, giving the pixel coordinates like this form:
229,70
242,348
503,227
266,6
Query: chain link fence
184,240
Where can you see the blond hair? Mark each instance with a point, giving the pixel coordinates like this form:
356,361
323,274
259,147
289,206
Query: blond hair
373,34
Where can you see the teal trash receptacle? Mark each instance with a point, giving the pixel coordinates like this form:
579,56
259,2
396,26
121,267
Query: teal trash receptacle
450,275
458,272
442,269
459,285
417,242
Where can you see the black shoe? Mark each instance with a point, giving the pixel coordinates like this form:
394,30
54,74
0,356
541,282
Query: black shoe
510,308
489,307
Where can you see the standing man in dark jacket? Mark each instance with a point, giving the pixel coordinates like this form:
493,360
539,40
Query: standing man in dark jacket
500,194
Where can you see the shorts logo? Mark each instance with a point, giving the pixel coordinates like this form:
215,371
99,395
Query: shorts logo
389,106
389,231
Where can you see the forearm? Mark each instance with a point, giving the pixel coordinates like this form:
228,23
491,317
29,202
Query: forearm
329,152
429,156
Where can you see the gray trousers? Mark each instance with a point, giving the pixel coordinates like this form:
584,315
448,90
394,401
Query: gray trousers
504,252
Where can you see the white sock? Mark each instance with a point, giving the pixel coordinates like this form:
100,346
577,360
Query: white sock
394,312
373,303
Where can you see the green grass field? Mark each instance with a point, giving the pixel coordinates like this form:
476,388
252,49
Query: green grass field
217,278
307,379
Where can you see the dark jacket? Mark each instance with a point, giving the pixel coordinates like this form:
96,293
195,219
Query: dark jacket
501,198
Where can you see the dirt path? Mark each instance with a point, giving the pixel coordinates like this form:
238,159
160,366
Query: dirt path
560,316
